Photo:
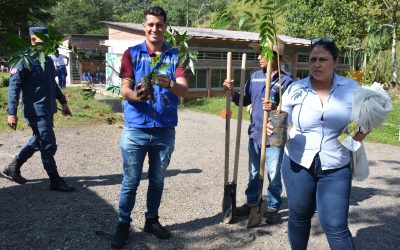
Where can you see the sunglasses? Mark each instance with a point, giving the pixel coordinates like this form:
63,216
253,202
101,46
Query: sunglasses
321,40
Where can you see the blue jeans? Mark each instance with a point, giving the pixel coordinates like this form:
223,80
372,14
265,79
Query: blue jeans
273,162
43,139
158,144
329,192
62,76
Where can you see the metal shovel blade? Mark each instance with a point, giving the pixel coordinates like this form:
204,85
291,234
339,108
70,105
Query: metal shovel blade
229,203
256,214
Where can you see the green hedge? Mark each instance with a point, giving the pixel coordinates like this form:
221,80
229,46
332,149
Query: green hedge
4,79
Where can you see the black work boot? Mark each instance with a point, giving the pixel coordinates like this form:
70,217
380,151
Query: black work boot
272,216
121,235
153,226
243,210
58,184
13,170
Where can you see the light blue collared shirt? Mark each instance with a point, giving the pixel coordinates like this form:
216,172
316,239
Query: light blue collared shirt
316,127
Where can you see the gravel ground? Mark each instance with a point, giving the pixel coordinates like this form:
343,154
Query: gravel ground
33,217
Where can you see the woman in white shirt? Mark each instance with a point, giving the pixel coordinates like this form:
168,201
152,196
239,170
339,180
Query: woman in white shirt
316,167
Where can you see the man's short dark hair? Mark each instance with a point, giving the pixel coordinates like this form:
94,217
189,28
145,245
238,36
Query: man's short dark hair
156,11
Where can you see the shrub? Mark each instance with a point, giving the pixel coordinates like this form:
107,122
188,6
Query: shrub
4,80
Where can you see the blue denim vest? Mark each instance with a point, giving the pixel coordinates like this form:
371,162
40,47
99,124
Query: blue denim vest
164,111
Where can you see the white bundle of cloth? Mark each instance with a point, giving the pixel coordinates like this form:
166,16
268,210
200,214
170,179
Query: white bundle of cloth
371,105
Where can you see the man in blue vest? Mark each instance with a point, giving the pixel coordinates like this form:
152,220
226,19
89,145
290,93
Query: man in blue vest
149,125
39,93
254,94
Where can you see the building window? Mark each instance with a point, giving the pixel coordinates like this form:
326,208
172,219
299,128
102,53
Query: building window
302,58
286,67
199,80
302,73
221,55
344,60
237,73
218,76
252,56
212,55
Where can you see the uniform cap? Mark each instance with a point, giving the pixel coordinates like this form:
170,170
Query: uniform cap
40,29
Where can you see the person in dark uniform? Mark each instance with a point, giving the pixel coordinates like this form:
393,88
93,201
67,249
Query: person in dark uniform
39,93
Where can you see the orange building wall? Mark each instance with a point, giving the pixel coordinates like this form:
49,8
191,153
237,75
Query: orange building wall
123,34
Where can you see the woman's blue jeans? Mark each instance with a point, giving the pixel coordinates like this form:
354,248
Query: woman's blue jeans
158,144
327,191
273,162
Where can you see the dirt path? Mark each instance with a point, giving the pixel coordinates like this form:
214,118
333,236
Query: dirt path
33,217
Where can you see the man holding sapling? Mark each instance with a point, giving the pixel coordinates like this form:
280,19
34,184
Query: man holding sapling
254,95
150,117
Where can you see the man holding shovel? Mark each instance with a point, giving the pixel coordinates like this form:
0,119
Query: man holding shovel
254,94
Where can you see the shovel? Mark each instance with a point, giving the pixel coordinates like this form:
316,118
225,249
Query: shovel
256,212
230,215
229,188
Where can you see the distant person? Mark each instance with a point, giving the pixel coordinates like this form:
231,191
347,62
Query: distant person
97,76
102,78
149,127
39,94
316,166
254,93
61,61
87,77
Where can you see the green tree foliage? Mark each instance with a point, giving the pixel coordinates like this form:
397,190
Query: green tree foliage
129,10
82,16
344,20
180,13
365,29
17,16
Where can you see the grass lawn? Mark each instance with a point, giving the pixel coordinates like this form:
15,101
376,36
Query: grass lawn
215,105
387,134
84,112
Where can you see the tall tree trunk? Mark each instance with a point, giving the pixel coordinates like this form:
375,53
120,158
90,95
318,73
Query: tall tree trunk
394,41
187,13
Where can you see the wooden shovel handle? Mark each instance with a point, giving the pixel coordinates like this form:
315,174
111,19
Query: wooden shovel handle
265,120
227,117
239,121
